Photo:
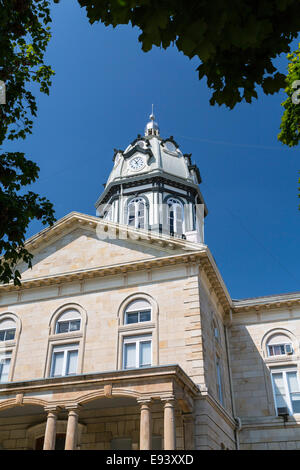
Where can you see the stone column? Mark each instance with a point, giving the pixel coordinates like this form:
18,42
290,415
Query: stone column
188,426
50,432
145,425
71,436
169,424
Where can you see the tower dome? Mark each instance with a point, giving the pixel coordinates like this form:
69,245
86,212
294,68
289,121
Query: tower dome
154,186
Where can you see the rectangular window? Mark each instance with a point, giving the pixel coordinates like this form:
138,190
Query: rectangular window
137,352
286,390
6,335
66,326
137,317
276,349
5,360
219,381
64,360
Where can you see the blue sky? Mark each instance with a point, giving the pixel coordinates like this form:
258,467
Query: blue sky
100,100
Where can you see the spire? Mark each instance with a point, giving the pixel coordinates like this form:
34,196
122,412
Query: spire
152,126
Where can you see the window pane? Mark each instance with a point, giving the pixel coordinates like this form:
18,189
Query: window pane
140,214
129,355
145,353
293,381
279,349
276,350
4,369
62,327
295,399
279,389
2,335
74,325
219,383
132,317
131,214
72,362
10,334
145,316
294,390
57,364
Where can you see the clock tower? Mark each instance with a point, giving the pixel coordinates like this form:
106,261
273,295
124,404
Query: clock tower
154,186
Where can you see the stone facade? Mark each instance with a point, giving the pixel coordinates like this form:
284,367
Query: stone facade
122,337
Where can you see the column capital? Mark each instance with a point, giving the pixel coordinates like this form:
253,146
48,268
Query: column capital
144,401
170,399
73,407
52,409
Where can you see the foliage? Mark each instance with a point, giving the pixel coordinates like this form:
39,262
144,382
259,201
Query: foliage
235,41
24,35
290,123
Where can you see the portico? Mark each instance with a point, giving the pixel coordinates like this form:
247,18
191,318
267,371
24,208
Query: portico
137,408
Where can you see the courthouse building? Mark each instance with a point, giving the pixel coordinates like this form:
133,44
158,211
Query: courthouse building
124,336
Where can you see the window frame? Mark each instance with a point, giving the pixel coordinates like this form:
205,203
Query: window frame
219,375
278,344
137,340
66,349
6,355
5,331
11,345
172,204
135,204
138,312
58,322
284,371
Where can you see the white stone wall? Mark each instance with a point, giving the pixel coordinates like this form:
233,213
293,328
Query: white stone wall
253,394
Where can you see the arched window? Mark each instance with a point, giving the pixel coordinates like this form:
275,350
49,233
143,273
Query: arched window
69,320
279,344
137,332
137,311
67,326
136,212
10,328
7,329
175,216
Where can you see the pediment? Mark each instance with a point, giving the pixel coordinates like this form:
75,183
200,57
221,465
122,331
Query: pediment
73,244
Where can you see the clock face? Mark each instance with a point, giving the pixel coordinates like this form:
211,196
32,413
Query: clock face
137,163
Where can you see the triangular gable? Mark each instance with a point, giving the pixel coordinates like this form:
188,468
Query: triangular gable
76,243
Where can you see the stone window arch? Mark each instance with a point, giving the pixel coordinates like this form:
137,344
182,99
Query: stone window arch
10,330
137,311
68,321
141,332
279,344
66,341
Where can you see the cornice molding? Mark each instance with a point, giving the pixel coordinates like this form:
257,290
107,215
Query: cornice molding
115,377
260,304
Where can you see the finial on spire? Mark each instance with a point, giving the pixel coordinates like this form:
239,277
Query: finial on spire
152,117
152,126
